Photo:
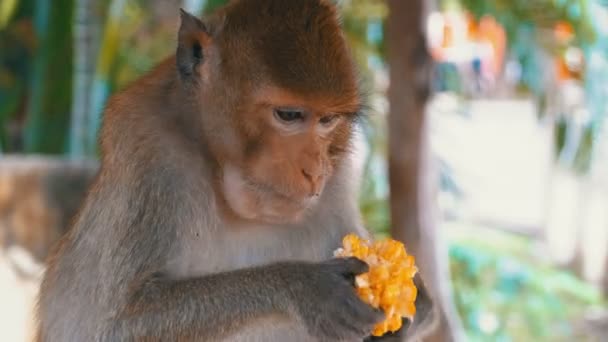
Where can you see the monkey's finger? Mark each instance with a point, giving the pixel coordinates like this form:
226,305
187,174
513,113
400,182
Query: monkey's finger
339,264
363,312
354,266
352,327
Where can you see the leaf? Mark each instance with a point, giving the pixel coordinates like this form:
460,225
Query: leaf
7,9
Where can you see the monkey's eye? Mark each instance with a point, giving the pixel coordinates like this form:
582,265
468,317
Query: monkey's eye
289,115
328,120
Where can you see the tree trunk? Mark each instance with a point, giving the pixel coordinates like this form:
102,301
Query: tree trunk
410,168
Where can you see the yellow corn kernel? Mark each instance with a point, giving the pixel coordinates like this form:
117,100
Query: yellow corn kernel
379,273
380,329
390,295
394,323
362,281
388,284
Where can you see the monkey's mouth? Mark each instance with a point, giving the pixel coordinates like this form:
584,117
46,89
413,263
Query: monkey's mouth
257,200
274,206
271,191
270,194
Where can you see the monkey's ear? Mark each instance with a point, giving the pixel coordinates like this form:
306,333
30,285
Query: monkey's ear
193,39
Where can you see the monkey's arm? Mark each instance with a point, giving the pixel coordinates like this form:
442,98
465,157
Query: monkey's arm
206,308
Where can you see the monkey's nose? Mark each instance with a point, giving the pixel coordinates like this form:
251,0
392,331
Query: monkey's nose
315,178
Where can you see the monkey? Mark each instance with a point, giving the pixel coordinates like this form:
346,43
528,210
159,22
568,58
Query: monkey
225,185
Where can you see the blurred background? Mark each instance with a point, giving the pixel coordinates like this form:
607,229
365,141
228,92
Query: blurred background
485,147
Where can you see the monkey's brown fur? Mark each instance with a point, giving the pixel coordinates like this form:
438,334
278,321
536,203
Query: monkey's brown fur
214,212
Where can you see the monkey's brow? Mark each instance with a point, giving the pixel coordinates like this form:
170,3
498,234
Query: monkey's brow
344,113
286,106
348,110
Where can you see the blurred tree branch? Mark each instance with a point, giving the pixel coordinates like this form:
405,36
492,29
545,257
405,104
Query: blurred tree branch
412,206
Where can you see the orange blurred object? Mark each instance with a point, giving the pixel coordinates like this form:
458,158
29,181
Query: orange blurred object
563,31
389,284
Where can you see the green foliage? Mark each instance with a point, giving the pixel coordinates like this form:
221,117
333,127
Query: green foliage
103,80
583,157
539,14
363,22
141,45
50,83
373,201
214,4
7,9
17,44
35,75
504,293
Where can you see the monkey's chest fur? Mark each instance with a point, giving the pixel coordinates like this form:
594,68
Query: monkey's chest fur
233,249
254,246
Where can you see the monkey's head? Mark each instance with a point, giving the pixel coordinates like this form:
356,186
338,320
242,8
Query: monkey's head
278,95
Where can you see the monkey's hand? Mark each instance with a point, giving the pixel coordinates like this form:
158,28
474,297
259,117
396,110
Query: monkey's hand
323,296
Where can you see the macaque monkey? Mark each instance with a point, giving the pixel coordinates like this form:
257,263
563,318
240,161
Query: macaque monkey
224,188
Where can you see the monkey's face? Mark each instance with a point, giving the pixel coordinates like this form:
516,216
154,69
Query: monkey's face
278,94
289,148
